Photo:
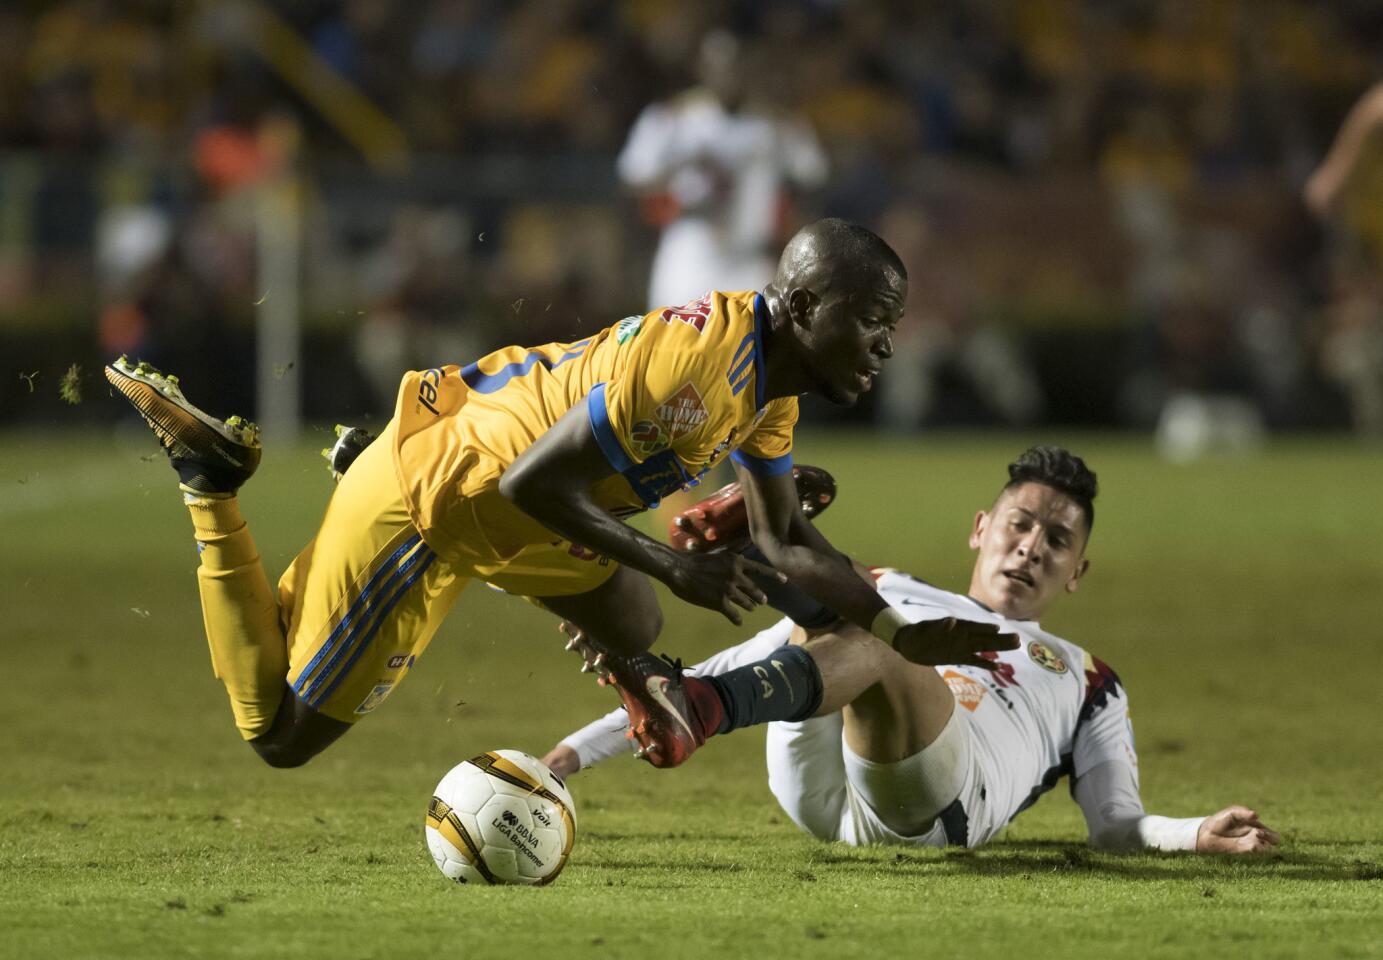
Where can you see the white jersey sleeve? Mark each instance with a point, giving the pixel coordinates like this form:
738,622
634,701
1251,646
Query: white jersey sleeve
604,738
1108,796
1105,773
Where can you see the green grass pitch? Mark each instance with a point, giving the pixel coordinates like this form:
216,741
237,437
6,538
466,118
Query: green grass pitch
1238,599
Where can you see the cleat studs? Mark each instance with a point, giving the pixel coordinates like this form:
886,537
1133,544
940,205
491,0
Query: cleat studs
571,644
599,661
339,430
586,667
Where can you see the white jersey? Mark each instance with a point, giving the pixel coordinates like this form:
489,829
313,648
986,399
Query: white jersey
725,173
1049,710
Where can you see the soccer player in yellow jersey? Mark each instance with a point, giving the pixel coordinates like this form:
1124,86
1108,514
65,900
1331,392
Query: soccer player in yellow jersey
517,469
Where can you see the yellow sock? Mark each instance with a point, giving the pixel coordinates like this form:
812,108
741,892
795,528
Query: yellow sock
248,651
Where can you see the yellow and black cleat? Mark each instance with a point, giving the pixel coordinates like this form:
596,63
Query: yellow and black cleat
210,455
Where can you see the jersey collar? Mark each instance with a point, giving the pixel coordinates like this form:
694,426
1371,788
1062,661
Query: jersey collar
984,606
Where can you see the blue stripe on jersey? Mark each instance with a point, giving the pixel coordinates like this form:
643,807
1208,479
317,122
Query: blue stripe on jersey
653,479
379,622
741,370
490,382
741,361
760,318
763,468
311,694
657,476
354,612
605,433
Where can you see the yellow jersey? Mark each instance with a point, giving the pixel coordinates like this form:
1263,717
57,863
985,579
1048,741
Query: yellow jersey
670,394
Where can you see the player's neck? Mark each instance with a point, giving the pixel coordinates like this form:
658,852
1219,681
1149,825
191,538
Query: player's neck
783,373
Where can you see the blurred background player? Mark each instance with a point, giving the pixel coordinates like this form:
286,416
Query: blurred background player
714,166
1346,191
950,755
518,470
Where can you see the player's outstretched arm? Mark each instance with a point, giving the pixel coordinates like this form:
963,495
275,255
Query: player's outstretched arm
792,544
551,481
1108,796
1324,186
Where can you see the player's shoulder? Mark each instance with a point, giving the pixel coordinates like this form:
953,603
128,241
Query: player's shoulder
925,600
715,329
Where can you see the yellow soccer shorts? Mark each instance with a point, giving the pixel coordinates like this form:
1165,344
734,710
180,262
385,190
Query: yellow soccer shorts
362,601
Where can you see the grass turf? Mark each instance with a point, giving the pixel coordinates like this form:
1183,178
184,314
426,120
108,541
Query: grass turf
1237,599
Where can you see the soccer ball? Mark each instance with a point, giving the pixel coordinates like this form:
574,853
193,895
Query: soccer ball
501,817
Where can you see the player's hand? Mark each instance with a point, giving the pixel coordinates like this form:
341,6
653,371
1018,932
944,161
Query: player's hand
562,760
951,641
1235,829
721,582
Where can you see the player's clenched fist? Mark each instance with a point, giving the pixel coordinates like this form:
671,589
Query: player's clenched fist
721,581
1235,829
951,641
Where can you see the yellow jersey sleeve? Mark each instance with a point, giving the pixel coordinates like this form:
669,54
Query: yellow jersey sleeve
767,451
659,419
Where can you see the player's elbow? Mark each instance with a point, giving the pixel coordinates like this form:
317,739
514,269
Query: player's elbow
520,487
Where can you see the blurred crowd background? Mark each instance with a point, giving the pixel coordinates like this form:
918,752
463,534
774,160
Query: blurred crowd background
1100,202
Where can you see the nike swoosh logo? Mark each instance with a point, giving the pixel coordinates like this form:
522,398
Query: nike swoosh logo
221,450
655,686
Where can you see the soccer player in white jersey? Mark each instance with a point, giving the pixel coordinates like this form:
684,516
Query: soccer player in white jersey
949,755
719,162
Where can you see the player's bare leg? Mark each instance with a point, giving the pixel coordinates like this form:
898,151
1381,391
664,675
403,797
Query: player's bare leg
613,627
620,616
892,708
297,735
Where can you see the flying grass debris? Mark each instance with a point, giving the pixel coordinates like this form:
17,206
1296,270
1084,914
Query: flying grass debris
70,389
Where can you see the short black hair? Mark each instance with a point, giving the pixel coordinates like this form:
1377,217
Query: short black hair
1059,469
861,245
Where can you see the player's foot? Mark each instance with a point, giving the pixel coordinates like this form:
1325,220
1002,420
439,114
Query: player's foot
210,455
670,713
350,443
721,521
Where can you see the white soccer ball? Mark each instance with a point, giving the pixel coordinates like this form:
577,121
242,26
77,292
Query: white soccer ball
501,817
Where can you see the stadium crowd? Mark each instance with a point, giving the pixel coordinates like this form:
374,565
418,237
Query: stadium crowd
1099,202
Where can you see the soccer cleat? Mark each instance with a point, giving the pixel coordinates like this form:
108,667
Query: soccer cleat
721,521
670,713
210,455
350,443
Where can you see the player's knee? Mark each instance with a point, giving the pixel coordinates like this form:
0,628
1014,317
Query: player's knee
282,756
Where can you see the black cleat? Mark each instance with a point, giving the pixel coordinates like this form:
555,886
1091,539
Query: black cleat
210,455
350,443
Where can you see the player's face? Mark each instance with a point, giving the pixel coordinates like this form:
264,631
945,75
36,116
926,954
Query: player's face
1031,547
852,335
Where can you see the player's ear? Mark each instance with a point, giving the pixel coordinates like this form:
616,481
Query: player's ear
1074,582
799,301
977,530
